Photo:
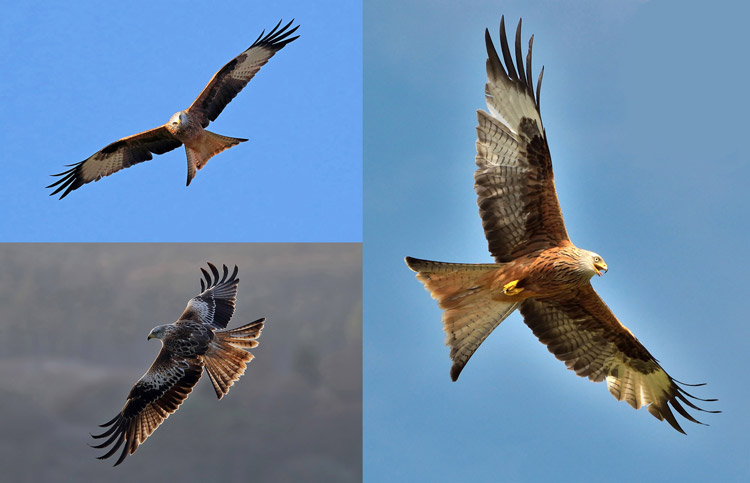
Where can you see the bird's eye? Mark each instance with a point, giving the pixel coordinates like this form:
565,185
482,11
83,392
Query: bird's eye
597,259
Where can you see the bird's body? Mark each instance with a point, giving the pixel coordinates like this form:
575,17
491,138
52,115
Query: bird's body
537,268
198,340
200,144
184,127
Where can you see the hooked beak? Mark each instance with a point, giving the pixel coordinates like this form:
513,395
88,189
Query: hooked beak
600,267
150,336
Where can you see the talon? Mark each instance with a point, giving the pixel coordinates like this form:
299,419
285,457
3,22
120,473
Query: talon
511,288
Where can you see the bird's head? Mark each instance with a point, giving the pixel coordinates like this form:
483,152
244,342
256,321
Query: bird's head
597,263
157,332
590,264
178,119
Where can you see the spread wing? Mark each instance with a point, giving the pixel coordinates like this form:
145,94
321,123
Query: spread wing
119,155
234,76
514,180
582,331
215,304
153,398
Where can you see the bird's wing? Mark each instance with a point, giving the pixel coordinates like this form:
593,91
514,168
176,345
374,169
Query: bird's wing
153,398
514,180
116,156
215,304
234,76
582,331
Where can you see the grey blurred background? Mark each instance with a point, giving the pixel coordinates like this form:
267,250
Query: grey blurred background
73,342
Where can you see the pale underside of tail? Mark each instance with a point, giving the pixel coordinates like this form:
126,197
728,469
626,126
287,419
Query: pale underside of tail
464,292
227,355
208,145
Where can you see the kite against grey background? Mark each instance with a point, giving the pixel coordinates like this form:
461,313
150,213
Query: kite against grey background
538,270
184,127
199,339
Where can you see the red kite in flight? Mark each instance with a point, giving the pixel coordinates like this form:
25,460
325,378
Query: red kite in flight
185,127
198,340
538,270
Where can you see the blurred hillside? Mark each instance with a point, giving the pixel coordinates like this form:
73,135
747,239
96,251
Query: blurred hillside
73,342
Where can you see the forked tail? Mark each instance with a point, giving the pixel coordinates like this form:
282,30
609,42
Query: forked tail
464,292
207,146
227,355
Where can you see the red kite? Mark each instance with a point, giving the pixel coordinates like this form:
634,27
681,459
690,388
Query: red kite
185,127
538,270
198,340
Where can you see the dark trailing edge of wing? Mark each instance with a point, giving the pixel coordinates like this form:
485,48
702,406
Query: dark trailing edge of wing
523,74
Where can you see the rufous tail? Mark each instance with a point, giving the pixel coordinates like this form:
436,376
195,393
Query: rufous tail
208,145
227,356
464,292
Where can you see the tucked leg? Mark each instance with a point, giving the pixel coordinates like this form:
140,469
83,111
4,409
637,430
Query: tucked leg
511,288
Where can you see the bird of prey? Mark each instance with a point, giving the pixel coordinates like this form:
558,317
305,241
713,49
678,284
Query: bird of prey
185,127
198,340
538,270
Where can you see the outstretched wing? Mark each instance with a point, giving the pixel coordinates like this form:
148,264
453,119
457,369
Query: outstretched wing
582,331
215,304
514,181
234,76
153,398
119,155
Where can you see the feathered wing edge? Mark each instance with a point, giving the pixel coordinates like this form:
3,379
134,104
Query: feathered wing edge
580,330
216,302
145,410
514,180
223,86
663,411
510,94
277,37
114,157
224,293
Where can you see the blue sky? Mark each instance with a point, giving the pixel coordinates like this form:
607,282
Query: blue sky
80,75
645,110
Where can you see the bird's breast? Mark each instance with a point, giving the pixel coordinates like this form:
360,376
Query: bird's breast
549,273
186,131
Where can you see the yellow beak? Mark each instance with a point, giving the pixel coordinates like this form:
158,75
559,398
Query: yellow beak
600,267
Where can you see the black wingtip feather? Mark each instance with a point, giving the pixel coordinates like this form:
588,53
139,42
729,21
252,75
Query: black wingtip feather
539,90
519,55
516,70
277,37
206,276
456,371
529,84
506,51
494,66
215,271
69,180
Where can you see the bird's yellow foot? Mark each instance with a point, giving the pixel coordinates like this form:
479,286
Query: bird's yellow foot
511,288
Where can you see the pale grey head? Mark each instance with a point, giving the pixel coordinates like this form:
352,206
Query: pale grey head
177,120
592,263
159,332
